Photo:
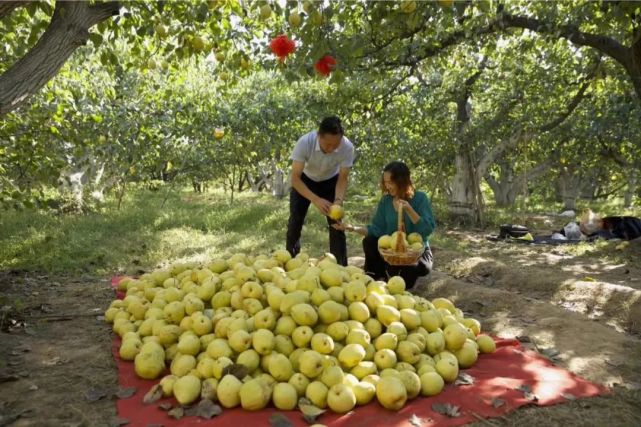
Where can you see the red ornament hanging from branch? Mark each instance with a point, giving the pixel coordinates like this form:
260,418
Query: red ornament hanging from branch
282,46
325,65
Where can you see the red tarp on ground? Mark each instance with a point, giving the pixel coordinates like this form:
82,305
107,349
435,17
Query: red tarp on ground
496,376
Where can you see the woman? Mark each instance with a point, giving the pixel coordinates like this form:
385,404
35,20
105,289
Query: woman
398,191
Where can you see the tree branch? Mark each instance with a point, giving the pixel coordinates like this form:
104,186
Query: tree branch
628,57
6,7
69,29
574,102
605,44
497,150
434,49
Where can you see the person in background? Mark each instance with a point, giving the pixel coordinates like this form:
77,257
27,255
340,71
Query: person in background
398,191
610,227
321,161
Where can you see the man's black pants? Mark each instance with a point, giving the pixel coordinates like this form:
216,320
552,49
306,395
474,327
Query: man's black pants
298,206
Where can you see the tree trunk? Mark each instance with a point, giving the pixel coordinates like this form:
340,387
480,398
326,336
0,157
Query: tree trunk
568,188
504,191
507,187
631,188
465,202
68,30
463,197
122,191
278,183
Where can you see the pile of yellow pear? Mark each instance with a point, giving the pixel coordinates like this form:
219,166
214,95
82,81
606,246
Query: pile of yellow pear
292,327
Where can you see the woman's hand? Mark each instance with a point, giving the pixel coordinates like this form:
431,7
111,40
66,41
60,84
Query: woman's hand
398,203
407,208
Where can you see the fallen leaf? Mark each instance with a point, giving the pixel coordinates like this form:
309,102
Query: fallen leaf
280,420
95,394
206,409
464,379
589,279
165,406
237,370
497,403
416,421
152,395
51,362
568,396
550,352
126,392
177,413
527,393
309,410
448,409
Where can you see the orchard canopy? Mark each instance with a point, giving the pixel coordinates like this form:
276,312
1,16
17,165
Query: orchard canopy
514,96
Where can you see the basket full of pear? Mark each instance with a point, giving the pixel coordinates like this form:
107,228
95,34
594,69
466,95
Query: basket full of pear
399,248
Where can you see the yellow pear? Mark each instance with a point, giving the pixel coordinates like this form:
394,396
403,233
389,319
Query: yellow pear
412,383
486,344
167,385
351,355
396,285
228,391
341,399
255,394
304,314
285,396
391,392
431,384
310,364
187,389
387,314
317,393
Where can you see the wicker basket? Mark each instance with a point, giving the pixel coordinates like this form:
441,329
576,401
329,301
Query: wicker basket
403,256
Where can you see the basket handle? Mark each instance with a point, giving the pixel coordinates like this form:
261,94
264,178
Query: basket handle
400,244
400,218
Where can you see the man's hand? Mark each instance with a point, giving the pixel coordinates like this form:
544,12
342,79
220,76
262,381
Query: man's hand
342,227
323,205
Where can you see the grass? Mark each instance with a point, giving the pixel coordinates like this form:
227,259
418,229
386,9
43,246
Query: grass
189,227
141,235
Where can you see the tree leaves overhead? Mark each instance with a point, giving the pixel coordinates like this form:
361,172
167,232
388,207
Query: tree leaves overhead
147,91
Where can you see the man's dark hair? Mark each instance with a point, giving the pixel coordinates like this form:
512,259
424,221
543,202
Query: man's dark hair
332,125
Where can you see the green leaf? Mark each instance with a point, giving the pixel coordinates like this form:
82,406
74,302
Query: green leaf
96,39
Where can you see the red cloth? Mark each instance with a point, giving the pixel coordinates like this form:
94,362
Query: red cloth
496,376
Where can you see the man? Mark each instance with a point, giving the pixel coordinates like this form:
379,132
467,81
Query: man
321,163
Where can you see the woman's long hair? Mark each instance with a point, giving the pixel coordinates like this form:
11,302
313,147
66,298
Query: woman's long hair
400,175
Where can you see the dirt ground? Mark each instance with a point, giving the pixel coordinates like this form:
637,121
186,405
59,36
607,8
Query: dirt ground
582,311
